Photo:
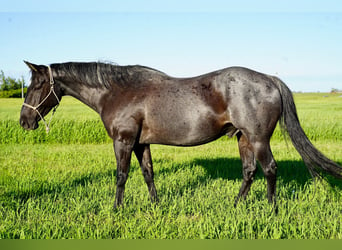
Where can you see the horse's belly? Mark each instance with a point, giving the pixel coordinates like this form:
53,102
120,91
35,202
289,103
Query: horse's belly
182,129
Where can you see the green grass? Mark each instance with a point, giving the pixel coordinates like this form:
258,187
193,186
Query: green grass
63,186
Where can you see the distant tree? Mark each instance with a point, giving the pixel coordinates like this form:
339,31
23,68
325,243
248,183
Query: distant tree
11,87
9,83
334,91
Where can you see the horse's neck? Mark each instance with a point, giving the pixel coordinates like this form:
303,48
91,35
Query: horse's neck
90,96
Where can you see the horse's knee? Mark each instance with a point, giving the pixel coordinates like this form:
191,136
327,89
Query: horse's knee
121,179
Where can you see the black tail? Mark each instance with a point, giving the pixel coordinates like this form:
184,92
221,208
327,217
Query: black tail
315,161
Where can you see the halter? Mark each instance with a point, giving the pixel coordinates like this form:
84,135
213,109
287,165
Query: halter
52,90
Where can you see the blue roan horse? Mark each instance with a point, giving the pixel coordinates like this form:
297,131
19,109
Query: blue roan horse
140,106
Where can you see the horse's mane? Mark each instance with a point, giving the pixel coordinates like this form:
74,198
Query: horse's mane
98,74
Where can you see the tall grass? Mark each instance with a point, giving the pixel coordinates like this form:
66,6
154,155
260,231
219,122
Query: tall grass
73,123
62,131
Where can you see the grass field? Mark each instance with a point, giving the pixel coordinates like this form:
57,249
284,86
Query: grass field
62,185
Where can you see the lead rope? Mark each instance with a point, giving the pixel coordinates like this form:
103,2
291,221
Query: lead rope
47,125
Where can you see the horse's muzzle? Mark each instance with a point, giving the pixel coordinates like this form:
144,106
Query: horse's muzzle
28,124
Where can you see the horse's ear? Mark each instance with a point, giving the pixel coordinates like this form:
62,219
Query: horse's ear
32,66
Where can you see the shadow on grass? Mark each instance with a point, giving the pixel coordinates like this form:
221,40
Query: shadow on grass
289,173
35,189
231,169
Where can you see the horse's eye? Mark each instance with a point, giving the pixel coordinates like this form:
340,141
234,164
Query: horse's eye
39,84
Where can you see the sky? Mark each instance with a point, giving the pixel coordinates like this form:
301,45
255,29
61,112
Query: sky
298,42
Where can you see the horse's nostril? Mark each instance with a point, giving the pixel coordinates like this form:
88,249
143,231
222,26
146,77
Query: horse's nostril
22,123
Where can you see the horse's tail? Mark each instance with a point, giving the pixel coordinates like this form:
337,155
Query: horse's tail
314,160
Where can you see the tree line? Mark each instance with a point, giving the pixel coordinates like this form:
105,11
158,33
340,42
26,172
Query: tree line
11,87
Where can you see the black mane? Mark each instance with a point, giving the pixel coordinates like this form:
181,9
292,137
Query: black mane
96,74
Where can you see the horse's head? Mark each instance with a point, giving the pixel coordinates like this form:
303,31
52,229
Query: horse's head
43,94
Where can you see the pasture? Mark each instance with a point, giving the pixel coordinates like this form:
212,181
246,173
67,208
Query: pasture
62,184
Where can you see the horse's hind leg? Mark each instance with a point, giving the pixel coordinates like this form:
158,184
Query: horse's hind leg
265,157
248,166
143,155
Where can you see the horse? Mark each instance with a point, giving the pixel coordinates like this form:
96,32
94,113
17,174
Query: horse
140,106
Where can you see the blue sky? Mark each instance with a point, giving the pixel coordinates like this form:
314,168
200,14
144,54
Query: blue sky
299,42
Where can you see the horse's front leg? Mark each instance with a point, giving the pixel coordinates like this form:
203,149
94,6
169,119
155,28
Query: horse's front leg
123,151
143,155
